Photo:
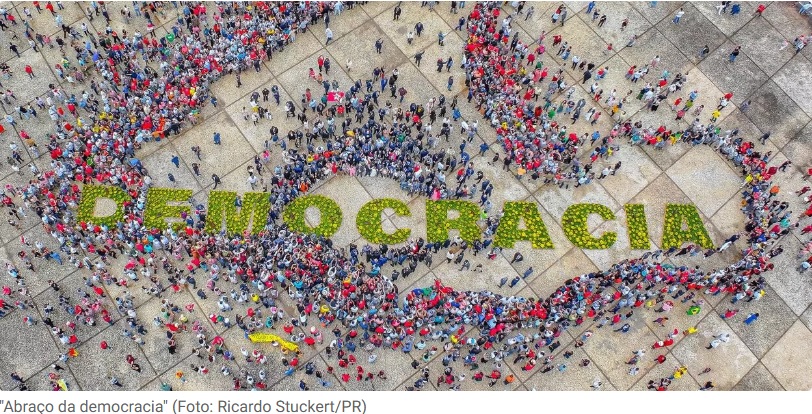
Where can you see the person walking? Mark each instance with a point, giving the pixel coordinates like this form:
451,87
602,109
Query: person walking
378,45
678,16
418,57
418,28
329,34
734,54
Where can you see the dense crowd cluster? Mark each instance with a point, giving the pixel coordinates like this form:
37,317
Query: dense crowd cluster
302,284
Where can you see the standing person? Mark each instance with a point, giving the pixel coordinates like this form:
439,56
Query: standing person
216,138
418,28
379,45
449,84
704,52
176,161
329,34
759,10
418,57
678,16
734,54
396,12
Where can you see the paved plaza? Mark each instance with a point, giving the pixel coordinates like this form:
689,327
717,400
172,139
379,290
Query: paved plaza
771,93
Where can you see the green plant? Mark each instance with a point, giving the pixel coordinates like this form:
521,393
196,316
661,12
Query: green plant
438,224
637,226
368,221
535,231
222,207
576,229
159,209
87,206
331,216
678,216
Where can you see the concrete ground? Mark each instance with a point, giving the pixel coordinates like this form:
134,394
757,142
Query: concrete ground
767,355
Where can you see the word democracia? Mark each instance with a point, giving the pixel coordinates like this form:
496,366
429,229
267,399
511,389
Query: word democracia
521,221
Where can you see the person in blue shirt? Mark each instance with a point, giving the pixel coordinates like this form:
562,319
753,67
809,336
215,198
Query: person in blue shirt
751,318
735,9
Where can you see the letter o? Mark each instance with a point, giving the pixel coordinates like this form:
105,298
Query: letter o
331,216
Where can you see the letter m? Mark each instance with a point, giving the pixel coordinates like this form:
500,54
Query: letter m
222,207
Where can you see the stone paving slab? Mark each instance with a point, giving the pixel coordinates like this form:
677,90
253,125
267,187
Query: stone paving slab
729,362
772,110
758,379
760,40
785,363
691,173
793,80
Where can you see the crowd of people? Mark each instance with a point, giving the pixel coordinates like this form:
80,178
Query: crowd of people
301,285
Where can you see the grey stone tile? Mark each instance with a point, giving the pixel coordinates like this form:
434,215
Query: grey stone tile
793,79
729,361
650,44
761,42
772,110
786,363
775,318
692,171
794,287
40,344
799,149
742,77
682,34
654,12
726,22
758,379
